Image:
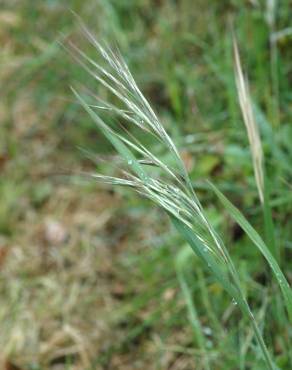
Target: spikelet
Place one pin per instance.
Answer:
(249, 121)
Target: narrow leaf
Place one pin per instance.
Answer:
(258, 241)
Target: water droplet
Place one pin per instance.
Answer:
(209, 265)
(130, 162)
(234, 302)
(205, 250)
(207, 330)
(209, 344)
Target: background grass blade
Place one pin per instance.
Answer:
(258, 241)
(182, 260)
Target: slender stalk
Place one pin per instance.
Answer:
(174, 192)
(247, 311)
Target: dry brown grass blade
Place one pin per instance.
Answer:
(249, 121)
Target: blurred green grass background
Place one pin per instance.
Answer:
(90, 277)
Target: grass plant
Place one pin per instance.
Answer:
(168, 184)
(100, 279)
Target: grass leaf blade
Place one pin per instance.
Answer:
(258, 241)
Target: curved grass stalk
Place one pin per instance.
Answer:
(172, 190)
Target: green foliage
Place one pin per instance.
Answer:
(180, 53)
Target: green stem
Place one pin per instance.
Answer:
(246, 311)
(269, 223)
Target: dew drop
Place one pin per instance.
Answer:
(209, 344)
(234, 302)
(130, 162)
(207, 330)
